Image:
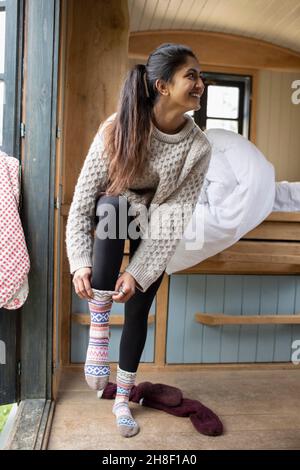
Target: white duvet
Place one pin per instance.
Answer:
(237, 195)
(287, 197)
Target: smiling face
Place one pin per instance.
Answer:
(186, 87)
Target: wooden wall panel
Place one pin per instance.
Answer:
(227, 50)
(278, 123)
(96, 63)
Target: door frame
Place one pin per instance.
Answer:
(38, 150)
(39, 161)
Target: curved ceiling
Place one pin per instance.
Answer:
(275, 21)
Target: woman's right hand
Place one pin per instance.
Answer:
(82, 284)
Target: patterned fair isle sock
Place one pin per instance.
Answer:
(127, 426)
(96, 367)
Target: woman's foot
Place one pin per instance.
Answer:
(127, 426)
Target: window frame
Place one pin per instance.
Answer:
(10, 319)
(244, 84)
(12, 76)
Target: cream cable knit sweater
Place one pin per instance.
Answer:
(174, 174)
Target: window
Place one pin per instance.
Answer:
(225, 103)
(10, 86)
(2, 55)
(11, 32)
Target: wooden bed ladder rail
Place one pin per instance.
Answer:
(214, 319)
(114, 320)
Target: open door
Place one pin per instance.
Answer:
(11, 39)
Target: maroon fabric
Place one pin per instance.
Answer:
(170, 399)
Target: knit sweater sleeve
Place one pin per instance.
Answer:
(92, 180)
(153, 254)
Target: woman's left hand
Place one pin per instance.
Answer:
(127, 283)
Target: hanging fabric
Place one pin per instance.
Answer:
(14, 258)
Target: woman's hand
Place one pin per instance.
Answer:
(127, 283)
(82, 284)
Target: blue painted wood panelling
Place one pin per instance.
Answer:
(286, 305)
(229, 342)
(250, 306)
(176, 321)
(192, 352)
(191, 342)
(268, 306)
(295, 328)
(213, 303)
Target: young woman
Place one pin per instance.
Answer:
(148, 155)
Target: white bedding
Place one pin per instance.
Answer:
(287, 197)
(237, 195)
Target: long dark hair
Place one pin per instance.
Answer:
(127, 137)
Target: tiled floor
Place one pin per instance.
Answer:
(260, 409)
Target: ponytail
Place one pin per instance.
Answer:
(128, 136)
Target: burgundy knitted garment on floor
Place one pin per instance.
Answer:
(170, 399)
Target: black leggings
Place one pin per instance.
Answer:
(107, 260)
